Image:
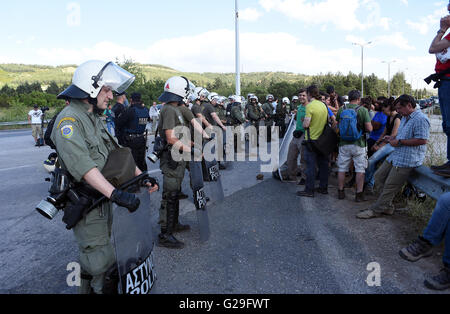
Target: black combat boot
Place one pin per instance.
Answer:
(178, 227)
(166, 238)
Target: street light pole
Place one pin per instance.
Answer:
(362, 64)
(389, 75)
(238, 68)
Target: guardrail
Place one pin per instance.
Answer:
(425, 180)
(18, 123)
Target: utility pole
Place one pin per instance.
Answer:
(389, 75)
(238, 70)
(362, 64)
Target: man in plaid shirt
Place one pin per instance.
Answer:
(410, 149)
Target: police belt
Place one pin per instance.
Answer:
(134, 136)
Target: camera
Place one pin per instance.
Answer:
(59, 190)
(44, 109)
(159, 145)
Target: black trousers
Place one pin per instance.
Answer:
(138, 149)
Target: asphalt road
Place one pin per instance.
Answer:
(264, 238)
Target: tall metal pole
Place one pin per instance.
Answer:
(238, 68)
(362, 65)
(389, 75)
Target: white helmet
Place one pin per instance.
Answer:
(269, 96)
(237, 99)
(286, 101)
(176, 89)
(254, 97)
(212, 95)
(201, 92)
(91, 76)
(250, 95)
(294, 98)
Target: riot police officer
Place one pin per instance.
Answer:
(176, 91)
(268, 113)
(83, 145)
(254, 114)
(133, 123)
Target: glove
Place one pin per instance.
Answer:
(125, 199)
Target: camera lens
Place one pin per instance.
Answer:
(47, 209)
(153, 158)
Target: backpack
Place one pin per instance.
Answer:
(48, 133)
(349, 129)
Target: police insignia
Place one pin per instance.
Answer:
(67, 131)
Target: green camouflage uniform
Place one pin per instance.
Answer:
(82, 143)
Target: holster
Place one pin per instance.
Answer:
(170, 162)
(75, 212)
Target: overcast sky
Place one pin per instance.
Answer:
(300, 36)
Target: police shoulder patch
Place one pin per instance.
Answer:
(67, 131)
(65, 119)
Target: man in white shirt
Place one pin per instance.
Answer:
(154, 116)
(35, 120)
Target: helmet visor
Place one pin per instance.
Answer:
(115, 77)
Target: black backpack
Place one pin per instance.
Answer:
(48, 132)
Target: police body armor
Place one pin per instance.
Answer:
(138, 125)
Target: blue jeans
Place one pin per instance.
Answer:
(314, 160)
(444, 102)
(378, 156)
(438, 227)
(110, 126)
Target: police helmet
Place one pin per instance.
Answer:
(270, 96)
(176, 89)
(91, 76)
(286, 101)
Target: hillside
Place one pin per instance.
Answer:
(16, 74)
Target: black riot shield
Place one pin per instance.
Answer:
(133, 243)
(284, 148)
(196, 176)
(211, 178)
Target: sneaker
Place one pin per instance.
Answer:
(341, 194)
(301, 182)
(440, 281)
(305, 194)
(416, 250)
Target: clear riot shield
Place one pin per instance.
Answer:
(133, 243)
(284, 147)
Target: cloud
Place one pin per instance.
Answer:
(424, 24)
(250, 15)
(298, 57)
(393, 40)
(343, 14)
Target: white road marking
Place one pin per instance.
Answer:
(15, 168)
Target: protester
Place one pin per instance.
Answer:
(353, 121)
(381, 149)
(35, 120)
(410, 148)
(295, 147)
(109, 119)
(438, 45)
(154, 117)
(438, 229)
(379, 121)
(315, 119)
